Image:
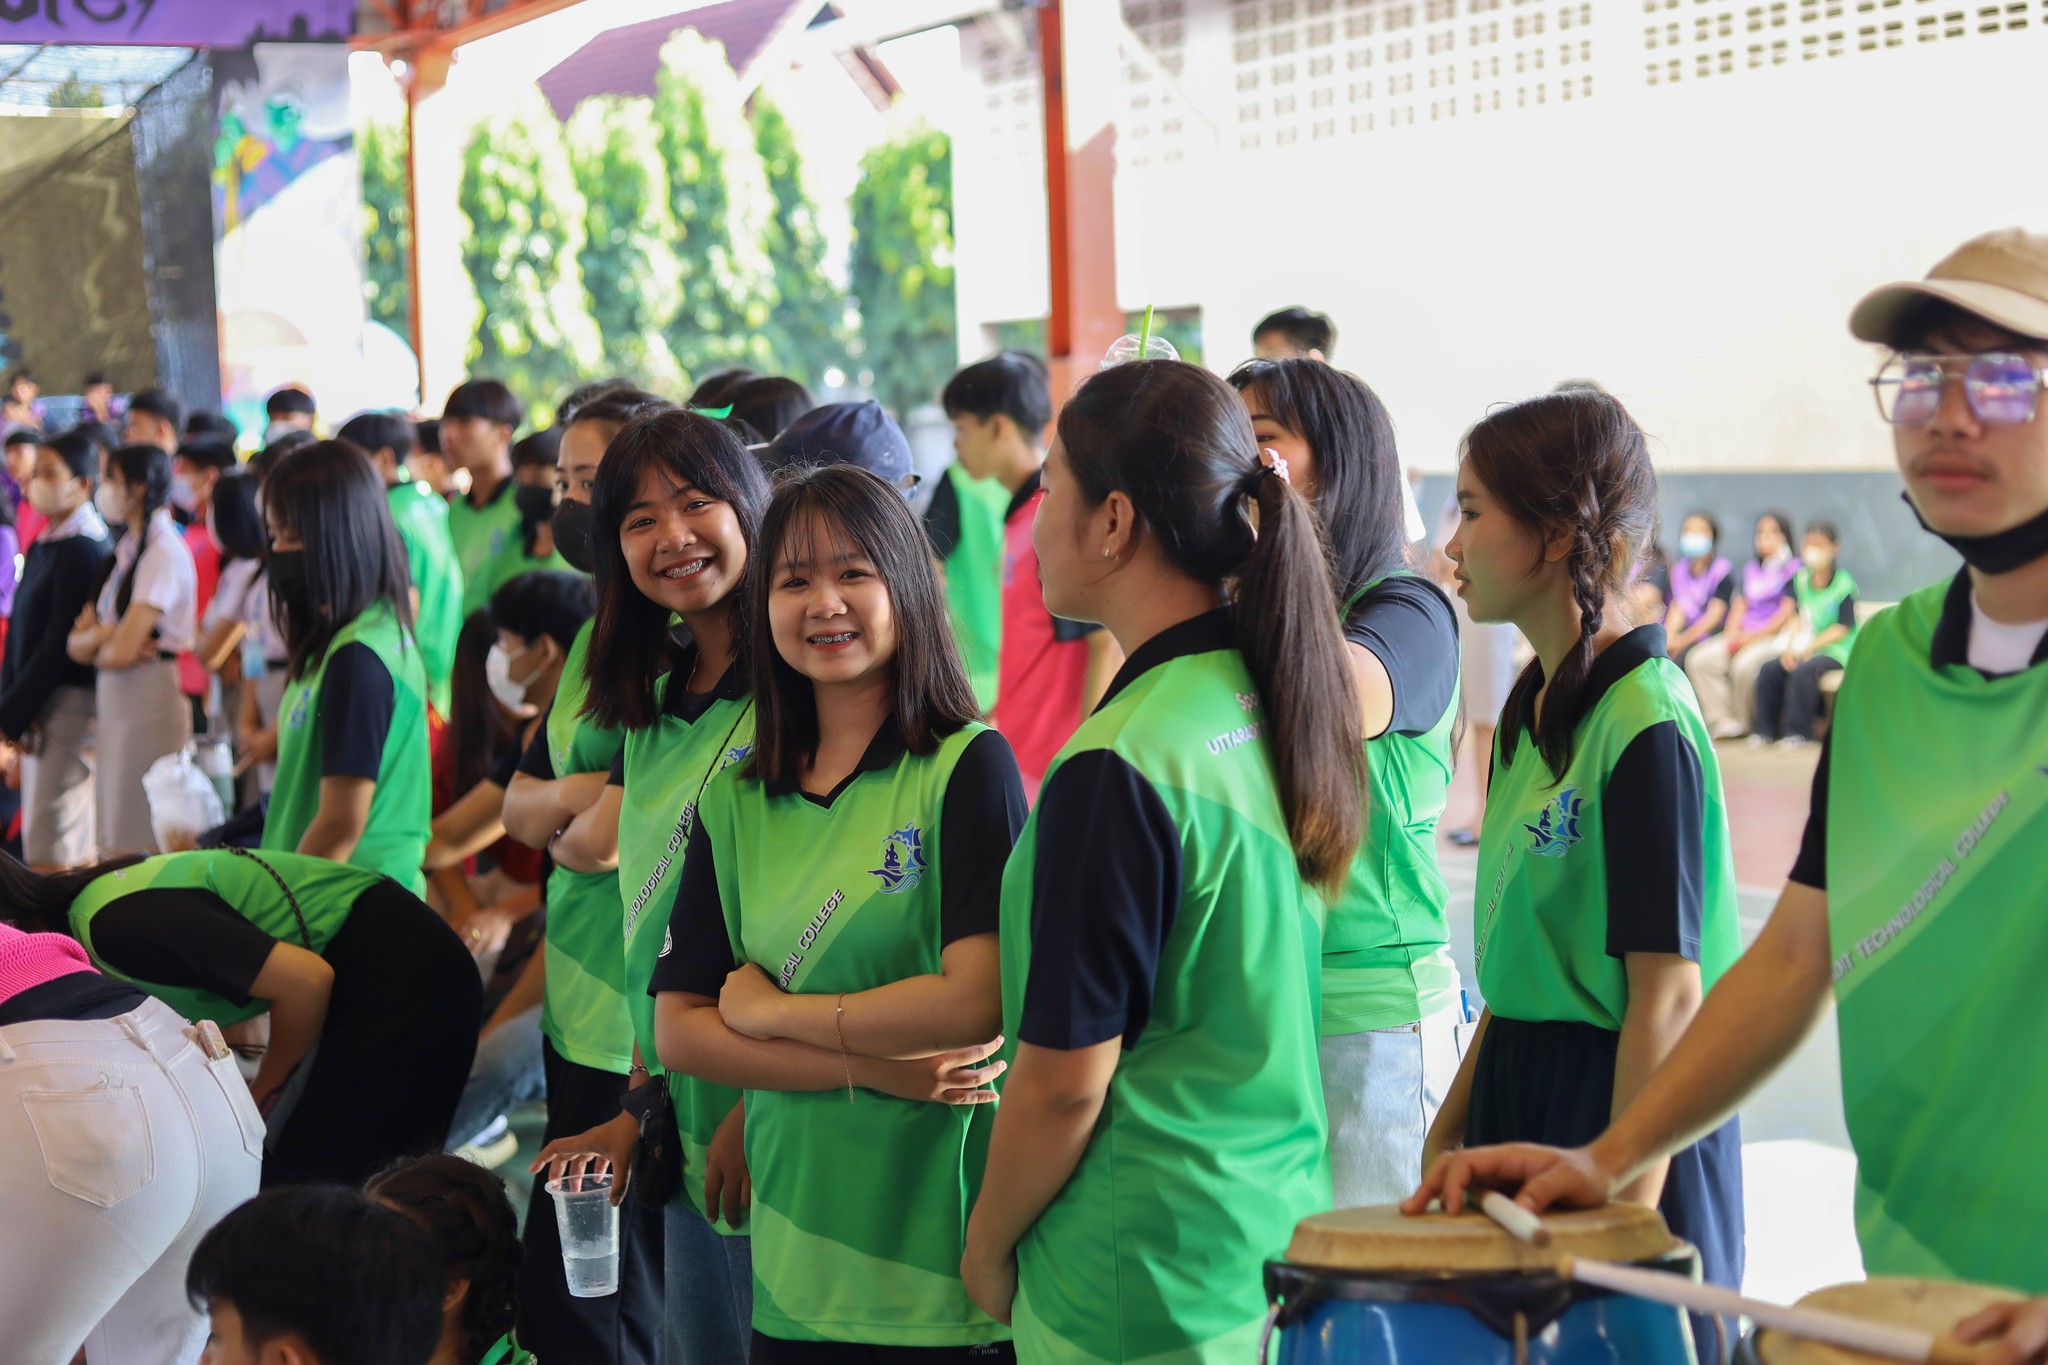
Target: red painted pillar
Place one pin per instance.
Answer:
(1079, 60)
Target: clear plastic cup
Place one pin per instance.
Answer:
(589, 1224)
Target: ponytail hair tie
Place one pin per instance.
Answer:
(1269, 463)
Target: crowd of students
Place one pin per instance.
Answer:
(665, 764)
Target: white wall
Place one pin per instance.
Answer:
(1694, 246)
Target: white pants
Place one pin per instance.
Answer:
(1383, 1089)
(1726, 687)
(120, 1145)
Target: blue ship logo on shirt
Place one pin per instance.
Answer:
(1557, 828)
(902, 861)
(737, 754)
(297, 718)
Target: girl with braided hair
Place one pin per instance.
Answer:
(463, 1207)
(1606, 905)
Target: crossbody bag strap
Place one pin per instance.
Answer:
(305, 935)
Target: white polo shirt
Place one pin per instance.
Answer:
(164, 579)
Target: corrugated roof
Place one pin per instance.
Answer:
(624, 61)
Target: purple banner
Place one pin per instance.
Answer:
(176, 23)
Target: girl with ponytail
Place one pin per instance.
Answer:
(1161, 916)
(1606, 890)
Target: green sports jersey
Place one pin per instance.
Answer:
(583, 1001)
(1386, 943)
(974, 578)
(1548, 913)
(666, 765)
(1820, 608)
(422, 518)
(1937, 810)
(326, 892)
(1212, 1142)
(482, 535)
(394, 837)
(860, 1204)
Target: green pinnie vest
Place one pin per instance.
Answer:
(422, 518)
(1819, 608)
(401, 810)
(974, 579)
(666, 765)
(583, 1003)
(326, 892)
(1937, 822)
(1212, 1143)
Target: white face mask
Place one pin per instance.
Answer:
(277, 429)
(1695, 545)
(109, 502)
(183, 495)
(1817, 560)
(498, 673)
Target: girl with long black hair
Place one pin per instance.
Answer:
(146, 615)
(836, 912)
(463, 1208)
(354, 776)
(667, 504)
(1390, 1012)
(1162, 1126)
(372, 1001)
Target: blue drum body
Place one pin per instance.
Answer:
(1343, 1317)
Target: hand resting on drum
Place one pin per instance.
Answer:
(2016, 1332)
(1539, 1177)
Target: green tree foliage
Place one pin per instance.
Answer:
(526, 220)
(387, 227)
(719, 197)
(628, 257)
(73, 93)
(807, 331)
(902, 267)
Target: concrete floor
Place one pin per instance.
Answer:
(1798, 1171)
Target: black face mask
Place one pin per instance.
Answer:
(535, 504)
(2001, 551)
(575, 535)
(287, 574)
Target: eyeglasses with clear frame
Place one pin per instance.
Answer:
(2003, 388)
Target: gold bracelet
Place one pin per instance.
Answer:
(839, 1026)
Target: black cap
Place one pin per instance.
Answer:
(862, 434)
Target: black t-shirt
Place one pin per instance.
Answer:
(942, 519)
(357, 703)
(537, 761)
(983, 809)
(181, 936)
(1409, 626)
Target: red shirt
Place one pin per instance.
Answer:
(1044, 660)
(206, 562)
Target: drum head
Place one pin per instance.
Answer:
(1381, 1240)
(1929, 1305)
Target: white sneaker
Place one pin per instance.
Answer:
(1794, 742)
(1758, 742)
(1727, 729)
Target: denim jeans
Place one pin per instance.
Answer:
(506, 1072)
(710, 1291)
(1383, 1089)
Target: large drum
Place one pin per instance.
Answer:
(1925, 1305)
(1370, 1287)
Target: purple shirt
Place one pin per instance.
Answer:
(1691, 592)
(1764, 584)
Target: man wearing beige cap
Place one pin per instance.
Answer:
(1919, 903)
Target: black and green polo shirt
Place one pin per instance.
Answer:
(860, 1208)
(1154, 897)
(1627, 852)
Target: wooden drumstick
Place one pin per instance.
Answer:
(1815, 1324)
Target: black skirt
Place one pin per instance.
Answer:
(1554, 1083)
